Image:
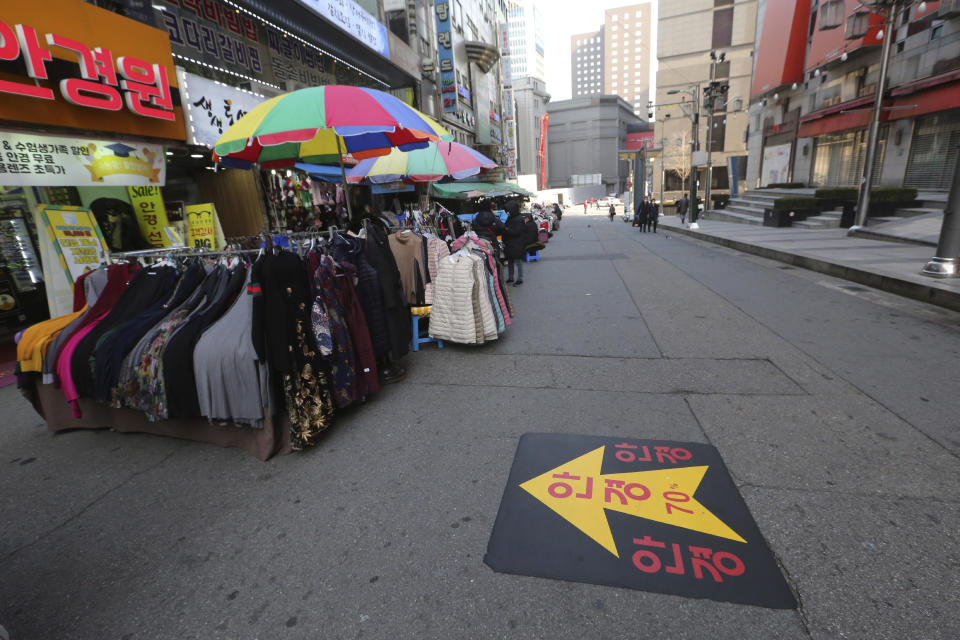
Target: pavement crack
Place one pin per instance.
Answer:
(96, 500)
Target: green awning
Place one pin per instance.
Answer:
(468, 190)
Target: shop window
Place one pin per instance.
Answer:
(838, 158)
(933, 151)
(831, 14)
(722, 28)
(397, 23)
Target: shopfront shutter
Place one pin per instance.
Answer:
(933, 151)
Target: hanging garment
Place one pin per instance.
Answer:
(484, 246)
(456, 311)
(231, 381)
(92, 284)
(488, 320)
(397, 311)
(350, 250)
(342, 359)
(116, 345)
(181, 386)
(146, 288)
(407, 248)
(436, 249)
(367, 381)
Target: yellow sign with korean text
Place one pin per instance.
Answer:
(151, 214)
(203, 227)
(76, 238)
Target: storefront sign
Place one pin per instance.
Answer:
(76, 238)
(644, 514)
(151, 214)
(448, 76)
(36, 160)
(509, 130)
(212, 107)
(776, 163)
(354, 19)
(119, 67)
(203, 227)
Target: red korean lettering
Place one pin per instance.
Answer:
(13, 41)
(147, 89)
(672, 454)
(677, 567)
(722, 562)
(211, 11)
(88, 91)
(565, 490)
(232, 21)
(736, 568)
(193, 4)
(620, 490)
(250, 29)
(623, 455)
(644, 559)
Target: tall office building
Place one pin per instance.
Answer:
(526, 39)
(616, 59)
(586, 64)
(626, 59)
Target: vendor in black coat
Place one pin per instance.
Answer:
(487, 224)
(515, 239)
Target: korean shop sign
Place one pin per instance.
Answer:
(151, 214)
(644, 514)
(448, 76)
(37, 160)
(76, 238)
(212, 107)
(76, 65)
(355, 20)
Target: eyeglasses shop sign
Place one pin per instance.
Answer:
(212, 107)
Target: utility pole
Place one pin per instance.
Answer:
(694, 147)
(863, 204)
(715, 93)
(944, 264)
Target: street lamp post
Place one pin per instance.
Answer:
(863, 204)
(714, 61)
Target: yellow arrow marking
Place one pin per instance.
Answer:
(578, 492)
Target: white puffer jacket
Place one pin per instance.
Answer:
(456, 289)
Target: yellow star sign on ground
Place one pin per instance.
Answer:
(578, 492)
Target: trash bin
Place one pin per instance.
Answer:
(777, 218)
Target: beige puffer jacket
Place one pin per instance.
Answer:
(453, 315)
(436, 250)
(486, 305)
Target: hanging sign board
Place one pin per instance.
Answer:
(76, 238)
(203, 227)
(448, 77)
(28, 159)
(643, 514)
(355, 20)
(151, 214)
(212, 107)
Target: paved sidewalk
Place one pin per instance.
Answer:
(890, 266)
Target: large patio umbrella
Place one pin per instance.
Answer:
(437, 160)
(320, 124)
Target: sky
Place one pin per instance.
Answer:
(563, 18)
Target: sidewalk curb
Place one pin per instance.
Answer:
(891, 284)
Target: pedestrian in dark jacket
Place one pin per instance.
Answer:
(612, 211)
(557, 211)
(487, 224)
(654, 215)
(682, 207)
(515, 242)
(644, 215)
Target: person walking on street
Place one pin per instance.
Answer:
(682, 205)
(644, 215)
(515, 242)
(612, 212)
(584, 207)
(654, 215)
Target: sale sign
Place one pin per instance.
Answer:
(653, 515)
(151, 214)
(76, 238)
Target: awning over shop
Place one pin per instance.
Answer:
(326, 173)
(468, 190)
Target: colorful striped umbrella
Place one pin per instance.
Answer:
(319, 124)
(437, 160)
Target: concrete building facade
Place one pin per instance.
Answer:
(626, 56)
(531, 97)
(586, 64)
(584, 138)
(814, 86)
(687, 34)
(526, 39)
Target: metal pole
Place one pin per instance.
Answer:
(663, 174)
(863, 205)
(706, 189)
(945, 263)
(343, 174)
(694, 146)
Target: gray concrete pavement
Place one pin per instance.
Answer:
(834, 409)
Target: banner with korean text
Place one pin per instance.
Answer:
(49, 161)
(151, 214)
(212, 107)
(203, 227)
(76, 238)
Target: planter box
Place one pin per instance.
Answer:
(777, 218)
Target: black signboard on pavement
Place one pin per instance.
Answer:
(644, 514)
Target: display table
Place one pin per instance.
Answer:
(263, 443)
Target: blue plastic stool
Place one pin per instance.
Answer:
(532, 258)
(421, 338)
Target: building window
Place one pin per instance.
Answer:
(722, 28)
(831, 14)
